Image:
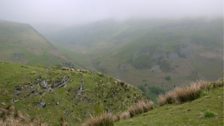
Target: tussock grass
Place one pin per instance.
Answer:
(188, 93)
(219, 83)
(63, 122)
(124, 115)
(108, 119)
(105, 119)
(140, 107)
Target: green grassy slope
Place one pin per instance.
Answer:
(34, 90)
(205, 111)
(23, 44)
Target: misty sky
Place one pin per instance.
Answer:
(80, 11)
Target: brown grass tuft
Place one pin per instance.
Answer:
(124, 115)
(106, 119)
(219, 83)
(63, 122)
(184, 94)
(140, 107)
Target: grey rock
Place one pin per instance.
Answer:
(44, 84)
(17, 92)
(42, 104)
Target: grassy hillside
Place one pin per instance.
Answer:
(155, 54)
(205, 111)
(173, 50)
(52, 94)
(23, 44)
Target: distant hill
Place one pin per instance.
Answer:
(52, 94)
(150, 53)
(168, 54)
(23, 44)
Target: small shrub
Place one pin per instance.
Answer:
(151, 92)
(106, 119)
(168, 78)
(208, 114)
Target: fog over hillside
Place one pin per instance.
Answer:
(69, 12)
(102, 62)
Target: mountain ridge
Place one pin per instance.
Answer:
(22, 43)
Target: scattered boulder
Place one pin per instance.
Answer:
(72, 69)
(14, 100)
(65, 68)
(82, 71)
(18, 88)
(17, 92)
(3, 103)
(44, 84)
(68, 69)
(42, 104)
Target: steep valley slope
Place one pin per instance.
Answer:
(21, 43)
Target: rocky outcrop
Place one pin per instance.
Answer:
(39, 86)
(61, 83)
